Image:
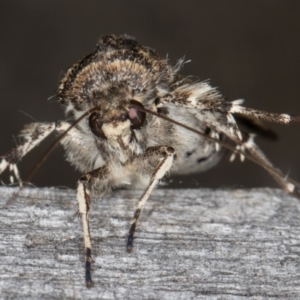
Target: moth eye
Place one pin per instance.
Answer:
(95, 124)
(136, 117)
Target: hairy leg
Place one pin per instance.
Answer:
(31, 136)
(165, 156)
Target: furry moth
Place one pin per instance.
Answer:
(137, 119)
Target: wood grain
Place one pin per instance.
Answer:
(190, 244)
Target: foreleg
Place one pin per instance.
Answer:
(165, 156)
(31, 136)
(84, 202)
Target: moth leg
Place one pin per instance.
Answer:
(245, 142)
(278, 176)
(209, 107)
(203, 97)
(166, 156)
(84, 201)
(284, 119)
(31, 136)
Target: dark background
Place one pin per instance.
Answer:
(249, 49)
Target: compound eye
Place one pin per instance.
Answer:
(95, 124)
(136, 117)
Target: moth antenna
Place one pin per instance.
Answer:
(255, 156)
(55, 143)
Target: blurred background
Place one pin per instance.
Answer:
(249, 49)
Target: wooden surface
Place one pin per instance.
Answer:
(190, 244)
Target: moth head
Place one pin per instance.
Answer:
(118, 124)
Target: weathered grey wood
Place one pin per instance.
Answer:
(191, 244)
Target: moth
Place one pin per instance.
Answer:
(133, 119)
